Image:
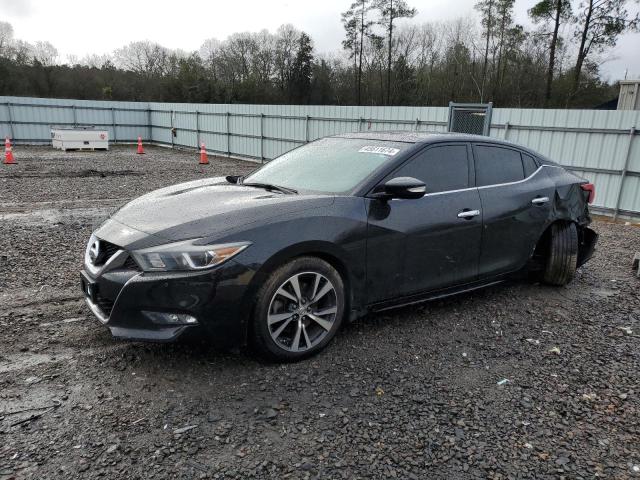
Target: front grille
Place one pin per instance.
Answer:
(108, 250)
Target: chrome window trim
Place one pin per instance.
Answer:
(512, 183)
(520, 181)
(494, 185)
(450, 191)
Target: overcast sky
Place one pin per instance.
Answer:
(80, 27)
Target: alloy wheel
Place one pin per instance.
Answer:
(302, 311)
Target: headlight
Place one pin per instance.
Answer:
(182, 256)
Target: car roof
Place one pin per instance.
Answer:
(409, 136)
(431, 137)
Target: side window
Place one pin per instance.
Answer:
(496, 165)
(529, 165)
(440, 168)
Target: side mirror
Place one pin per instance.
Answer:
(401, 187)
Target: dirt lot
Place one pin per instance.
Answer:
(416, 393)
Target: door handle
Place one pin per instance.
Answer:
(468, 214)
(540, 200)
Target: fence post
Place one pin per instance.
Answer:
(262, 138)
(306, 129)
(228, 134)
(360, 120)
(171, 124)
(150, 126)
(506, 130)
(113, 124)
(10, 120)
(75, 119)
(197, 129)
(623, 174)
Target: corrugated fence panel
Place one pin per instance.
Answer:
(594, 144)
(29, 120)
(630, 199)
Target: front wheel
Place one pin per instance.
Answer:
(562, 258)
(299, 309)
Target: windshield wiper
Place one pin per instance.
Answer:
(269, 186)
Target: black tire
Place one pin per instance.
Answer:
(305, 269)
(562, 259)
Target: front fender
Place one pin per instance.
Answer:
(336, 234)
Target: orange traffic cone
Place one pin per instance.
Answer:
(203, 155)
(8, 153)
(140, 149)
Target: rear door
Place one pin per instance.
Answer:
(516, 198)
(432, 242)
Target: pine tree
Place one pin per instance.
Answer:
(302, 69)
(555, 12)
(391, 10)
(487, 9)
(357, 27)
(600, 23)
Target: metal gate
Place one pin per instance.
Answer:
(474, 118)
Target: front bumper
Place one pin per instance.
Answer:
(215, 298)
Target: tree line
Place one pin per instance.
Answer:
(387, 59)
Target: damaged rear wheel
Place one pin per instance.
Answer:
(562, 258)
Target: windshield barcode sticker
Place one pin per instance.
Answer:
(383, 150)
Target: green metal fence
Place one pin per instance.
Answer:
(602, 146)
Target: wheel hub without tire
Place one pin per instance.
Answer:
(302, 311)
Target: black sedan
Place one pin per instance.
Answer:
(332, 230)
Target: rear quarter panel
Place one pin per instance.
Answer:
(570, 201)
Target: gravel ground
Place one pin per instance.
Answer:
(516, 381)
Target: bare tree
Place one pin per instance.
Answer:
(240, 49)
(21, 52)
(428, 53)
(209, 51)
(45, 53)
(264, 57)
(459, 59)
(414, 64)
(287, 38)
(143, 57)
(6, 38)
(95, 61)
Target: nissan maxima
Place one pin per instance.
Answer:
(342, 226)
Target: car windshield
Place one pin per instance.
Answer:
(328, 165)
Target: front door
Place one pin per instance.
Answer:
(430, 243)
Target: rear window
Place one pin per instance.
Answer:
(495, 165)
(529, 165)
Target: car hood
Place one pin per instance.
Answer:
(209, 207)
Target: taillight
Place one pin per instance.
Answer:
(591, 188)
